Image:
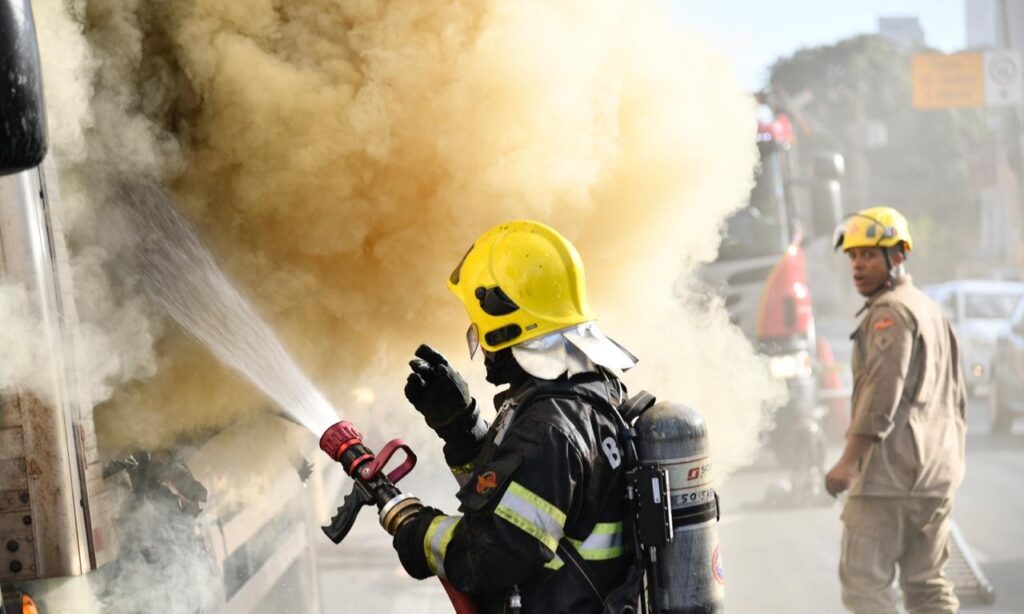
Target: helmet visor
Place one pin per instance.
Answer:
(472, 340)
(837, 236)
(859, 230)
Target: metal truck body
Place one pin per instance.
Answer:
(59, 516)
(63, 511)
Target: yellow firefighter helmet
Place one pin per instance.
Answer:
(519, 281)
(874, 227)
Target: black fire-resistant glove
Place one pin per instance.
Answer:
(408, 543)
(438, 392)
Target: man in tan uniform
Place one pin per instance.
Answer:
(904, 456)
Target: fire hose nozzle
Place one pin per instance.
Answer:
(339, 438)
(344, 444)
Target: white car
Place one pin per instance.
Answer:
(978, 310)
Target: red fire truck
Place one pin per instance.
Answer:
(764, 272)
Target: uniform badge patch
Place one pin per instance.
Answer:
(883, 324)
(486, 482)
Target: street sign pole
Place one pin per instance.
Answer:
(1014, 149)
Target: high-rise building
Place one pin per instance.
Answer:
(904, 33)
(990, 22)
(995, 167)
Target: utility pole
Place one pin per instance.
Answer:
(860, 152)
(1010, 121)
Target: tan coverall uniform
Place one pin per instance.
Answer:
(908, 395)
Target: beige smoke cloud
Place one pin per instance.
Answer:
(339, 158)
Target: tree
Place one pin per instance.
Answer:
(860, 84)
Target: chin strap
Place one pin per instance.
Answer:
(895, 272)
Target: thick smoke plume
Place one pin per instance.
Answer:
(339, 158)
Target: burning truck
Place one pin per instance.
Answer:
(297, 138)
(137, 530)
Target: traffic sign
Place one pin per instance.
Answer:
(947, 81)
(1003, 78)
(967, 80)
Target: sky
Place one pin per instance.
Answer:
(754, 33)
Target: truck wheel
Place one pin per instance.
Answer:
(999, 418)
(23, 122)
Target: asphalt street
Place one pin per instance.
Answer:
(784, 559)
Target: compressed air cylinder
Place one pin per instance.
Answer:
(687, 570)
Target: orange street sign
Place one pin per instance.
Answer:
(948, 81)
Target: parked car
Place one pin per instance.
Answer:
(1006, 391)
(978, 310)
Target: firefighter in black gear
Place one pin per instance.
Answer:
(542, 489)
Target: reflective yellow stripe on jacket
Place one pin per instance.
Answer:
(462, 473)
(606, 541)
(533, 514)
(435, 542)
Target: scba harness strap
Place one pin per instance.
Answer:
(636, 405)
(620, 598)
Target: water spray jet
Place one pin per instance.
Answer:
(180, 276)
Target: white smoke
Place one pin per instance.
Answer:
(117, 338)
(26, 362)
(163, 566)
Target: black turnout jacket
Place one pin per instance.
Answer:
(548, 475)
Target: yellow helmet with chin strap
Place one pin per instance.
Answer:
(519, 281)
(874, 227)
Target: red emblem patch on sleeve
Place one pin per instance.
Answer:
(883, 324)
(486, 482)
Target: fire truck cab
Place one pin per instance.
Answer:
(763, 274)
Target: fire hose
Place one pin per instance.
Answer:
(344, 444)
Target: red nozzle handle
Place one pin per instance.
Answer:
(399, 472)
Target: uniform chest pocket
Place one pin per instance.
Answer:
(488, 481)
(857, 354)
(922, 381)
